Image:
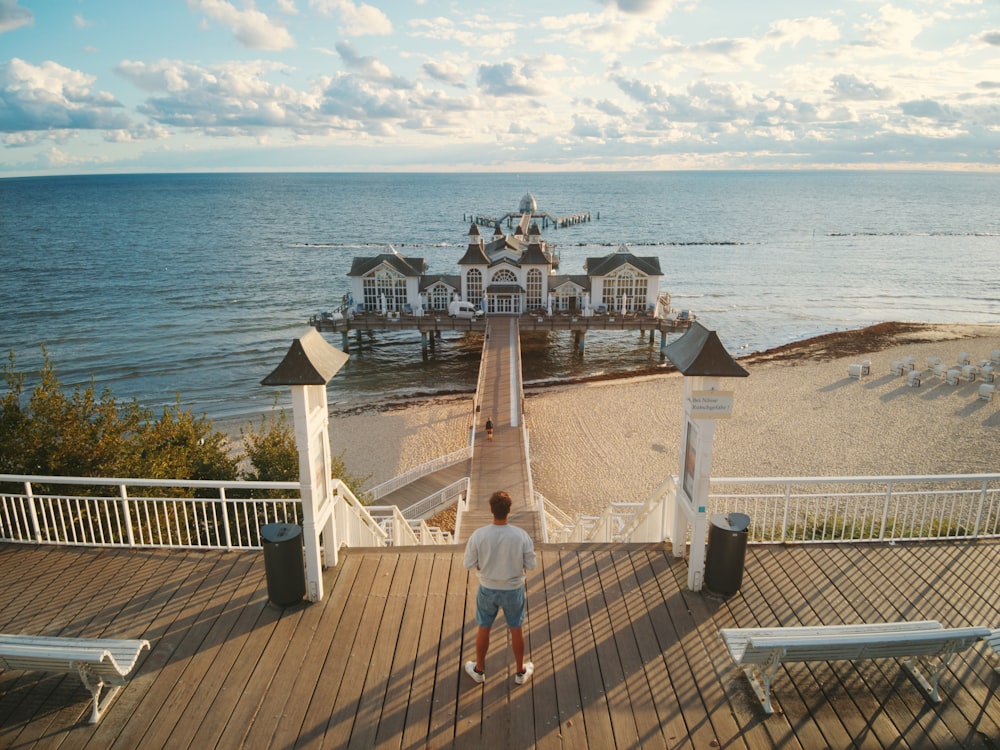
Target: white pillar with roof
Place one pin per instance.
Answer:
(308, 366)
(702, 359)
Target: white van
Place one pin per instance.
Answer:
(461, 309)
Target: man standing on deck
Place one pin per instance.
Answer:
(501, 553)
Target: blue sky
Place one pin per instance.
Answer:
(551, 85)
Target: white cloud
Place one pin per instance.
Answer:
(511, 79)
(929, 109)
(468, 34)
(50, 97)
(791, 31)
(233, 95)
(606, 34)
(641, 7)
(617, 80)
(991, 37)
(893, 30)
(845, 87)
(237, 99)
(357, 20)
(251, 28)
(12, 16)
(136, 134)
(445, 72)
(369, 67)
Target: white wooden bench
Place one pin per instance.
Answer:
(100, 662)
(761, 651)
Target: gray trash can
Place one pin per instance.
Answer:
(283, 563)
(727, 547)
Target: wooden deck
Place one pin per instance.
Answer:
(625, 656)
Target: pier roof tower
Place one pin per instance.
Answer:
(528, 205)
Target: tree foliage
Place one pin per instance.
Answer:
(52, 432)
(271, 453)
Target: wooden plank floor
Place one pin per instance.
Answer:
(625, 656)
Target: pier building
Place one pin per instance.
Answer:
(507, 274)
(514, 274)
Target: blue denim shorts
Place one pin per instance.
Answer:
(491, 601)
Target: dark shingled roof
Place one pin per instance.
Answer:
(502, 244)
(557, 281)
(649, 265)
(534, 256)
(699, 352)
(474, 256)
(454, 281)
(474, 230)
(406, 266)
(310, 360)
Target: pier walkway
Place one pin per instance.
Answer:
(501, 463)
(498, 464)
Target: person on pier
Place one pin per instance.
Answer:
(500, 553)
(489, 428)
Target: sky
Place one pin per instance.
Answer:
(113, 86)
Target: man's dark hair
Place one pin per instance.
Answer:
(500, 505)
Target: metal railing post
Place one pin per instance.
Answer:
(127, 514)
(982, 508)
(885, 510)
(784, 518)
(36, 528)
(225, 518)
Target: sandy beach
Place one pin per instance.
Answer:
(797, 414)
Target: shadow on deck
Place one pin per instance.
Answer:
(625, 655)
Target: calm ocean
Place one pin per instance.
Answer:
(158, 285)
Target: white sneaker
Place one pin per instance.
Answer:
(522, 677)
(470, 668)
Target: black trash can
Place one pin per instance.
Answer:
(727, 548)
(283, 563)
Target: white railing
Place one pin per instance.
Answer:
(558, 526)
(480, 384)
(428, 467)
(403, 532)
(431, 534)
(787, 510)
(453, 492)
(611, 523)
(199, 514)
(862, 509)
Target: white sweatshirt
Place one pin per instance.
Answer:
(500, 553)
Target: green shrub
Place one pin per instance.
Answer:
(50, 432)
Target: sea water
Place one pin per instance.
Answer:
(189, 288)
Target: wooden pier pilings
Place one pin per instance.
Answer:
(548, 219)
(430, 325)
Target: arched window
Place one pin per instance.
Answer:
(388, 283)
(474, 286)
(534, 287)
(504, 276)
(625, 285)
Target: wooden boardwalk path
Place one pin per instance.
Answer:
(625, 655)
(500, 463)
(497, 464)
